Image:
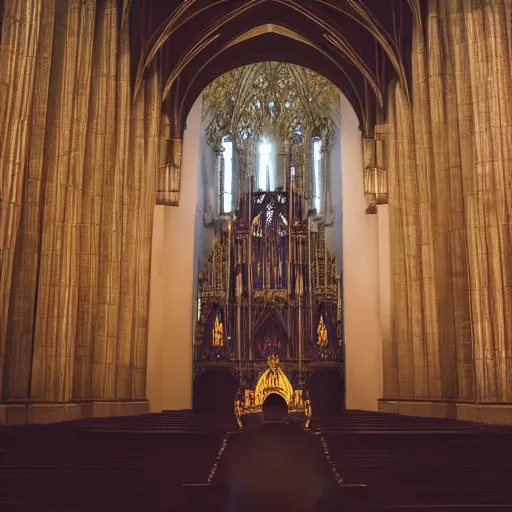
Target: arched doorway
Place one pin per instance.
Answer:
(276, 400)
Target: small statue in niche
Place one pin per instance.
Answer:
(239, 410)
(308, 413)
(218, 332)
(322, 339)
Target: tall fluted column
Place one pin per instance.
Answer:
(453, 24)
(450, 165)
(427, 371)
(412, 349)
(84, 181)
(98, 198)
(19, 52)
(489, 208)
(390, 367)
(449, 231)
(55, 329)
(18, 350)
(146, 122)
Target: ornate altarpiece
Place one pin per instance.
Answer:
(269, 296)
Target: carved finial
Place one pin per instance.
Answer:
(273, 361)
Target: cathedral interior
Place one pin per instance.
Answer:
(205, 202)
(269, 290)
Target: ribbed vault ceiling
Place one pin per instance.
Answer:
(359, 45)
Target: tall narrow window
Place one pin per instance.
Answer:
(317, 166)
(266, 177)
(227, 185)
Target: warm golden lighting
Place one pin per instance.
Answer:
(218, 332)
(322, 336)
(273, 380)
(274, 98)
(376, 186)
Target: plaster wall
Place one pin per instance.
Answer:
(173, 284)
(178, 245)
(360, 243)
(334, 235)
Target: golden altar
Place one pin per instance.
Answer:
(272, 381)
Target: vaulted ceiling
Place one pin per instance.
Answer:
(360, 45)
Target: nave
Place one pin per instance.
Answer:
(144, 463)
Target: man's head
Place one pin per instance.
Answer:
(275, 408)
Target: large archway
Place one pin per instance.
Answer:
(355, 240)
(323, 38)
(145, 63)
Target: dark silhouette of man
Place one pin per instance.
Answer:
(276, 466)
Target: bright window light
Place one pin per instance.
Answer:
(317, 160)
(227, 185)
(266, 178)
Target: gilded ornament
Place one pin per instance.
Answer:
(322, 335)
(218, 332)
(272, 99)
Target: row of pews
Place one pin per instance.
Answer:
(142, 463)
